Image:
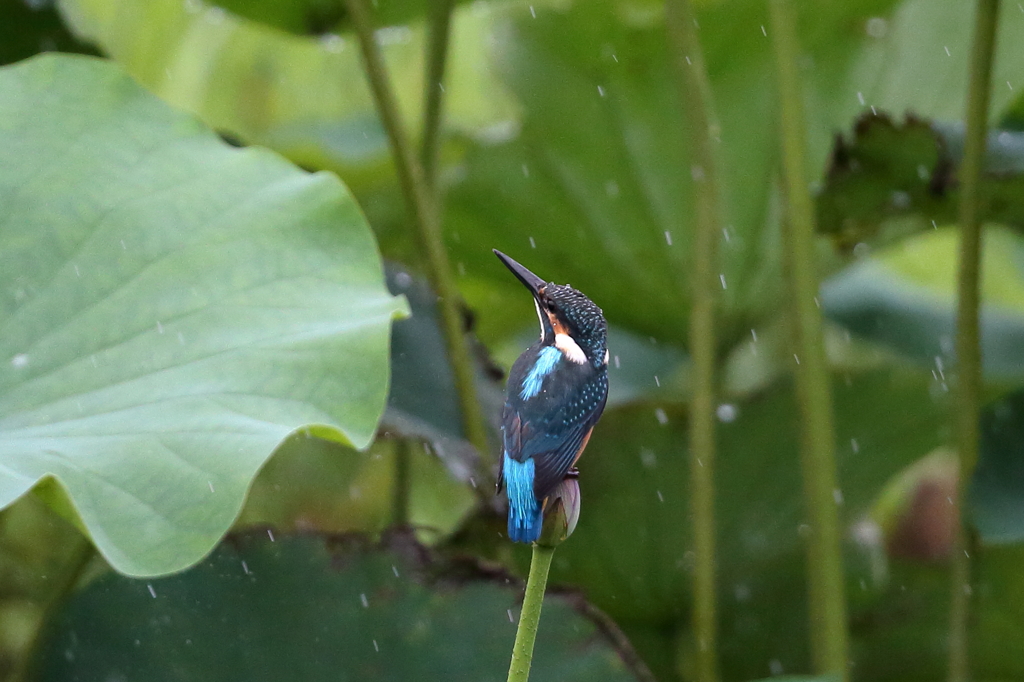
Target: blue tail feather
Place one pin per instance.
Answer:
(524, 514)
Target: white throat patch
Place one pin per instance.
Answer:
(570, 348)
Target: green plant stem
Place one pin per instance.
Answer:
(400, 482)
(423, 211)
(79, 561)
(529, 618)
(968, 351)
(433, 89)
(829, 645)
(695, 95)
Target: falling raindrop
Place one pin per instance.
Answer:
(854, 445)
(661, 498)
(668, 237)
(860, 98)
(20, 360)
(600, 91)
(837, 495)
(764, 32)
(721, 278)
(661, 416)
(616, 362)
(332, 42)
(393, 35)
(394, 569)
(210, 483)
(533, 244)
(533, 13)
(152, 592)
(270, 534)
(876, 27)
(726, 413)
(741, 591)
(245, 568)
(366, 602)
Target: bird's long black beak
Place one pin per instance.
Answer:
(532, 281)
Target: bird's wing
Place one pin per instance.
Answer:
(552, 445)
(552, 465)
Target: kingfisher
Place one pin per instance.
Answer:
(556, 392)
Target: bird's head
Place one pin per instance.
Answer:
(568, 319)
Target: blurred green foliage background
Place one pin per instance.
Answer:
(369, 545)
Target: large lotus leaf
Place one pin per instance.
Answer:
(303, 608)
(916, 61)
(905, 297)
(630, 552)
(303, 96)
(170, 309)
(600, 171)
(598, 180)
(909, 171)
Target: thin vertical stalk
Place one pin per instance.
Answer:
(829, 638)
(968, 351)
(529, 618)
(400, 481)
(695, 95)
(438, 30)
(423, 211)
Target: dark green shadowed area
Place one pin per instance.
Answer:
(310, 608)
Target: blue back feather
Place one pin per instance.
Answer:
(524, 514)
(546, 361)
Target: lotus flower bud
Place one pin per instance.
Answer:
(561, 512)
